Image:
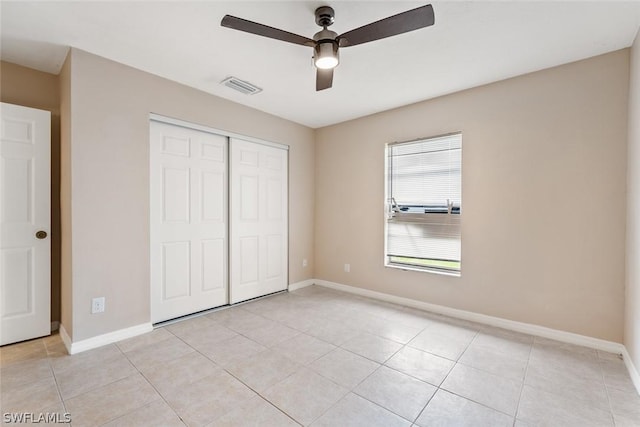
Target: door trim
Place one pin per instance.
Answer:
(190, 125)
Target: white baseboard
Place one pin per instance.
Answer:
(633, 371)
(527, 328)
(299, 285)
(104, 339)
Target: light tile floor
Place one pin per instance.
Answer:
(323, 358)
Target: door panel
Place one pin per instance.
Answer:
(212, 205)
(258, 210)
(25, 197)
(274, 198)
(176, 270)
(213, 267)
(17, 265)
(248, 197)
(274, 256)
(176, 189)
(18, 173)
(189, 226)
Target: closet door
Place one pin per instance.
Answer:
(188, 213)
(259, 220)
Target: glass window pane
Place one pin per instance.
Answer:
(425, 180)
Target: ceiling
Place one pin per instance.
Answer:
(471, 43)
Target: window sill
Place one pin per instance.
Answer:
(424, 270)
(425, 218)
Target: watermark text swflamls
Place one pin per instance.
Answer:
(32, 417)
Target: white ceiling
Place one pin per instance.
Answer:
(471, 43)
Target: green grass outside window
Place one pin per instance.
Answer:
(429, 263)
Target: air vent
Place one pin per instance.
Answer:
(241, 86)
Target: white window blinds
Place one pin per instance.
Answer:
(424, 193)
(427, 172)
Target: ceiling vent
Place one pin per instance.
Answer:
(241, 86)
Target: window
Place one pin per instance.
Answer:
(424, 201)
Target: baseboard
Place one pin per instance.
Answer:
(512, 325)
(104, 339)
(633, 371)
(66, 339)
(55, 325)
(299, 285)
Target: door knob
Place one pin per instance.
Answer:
(41, 234)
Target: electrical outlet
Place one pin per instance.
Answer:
(304, 262)
(347, 268)
(97, 305)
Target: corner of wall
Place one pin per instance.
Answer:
(66, 307)
(33, 88)
(632, 279)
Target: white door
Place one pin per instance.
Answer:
(188, 213)
(258, 211)
(25, 220)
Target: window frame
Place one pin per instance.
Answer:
(453, 214)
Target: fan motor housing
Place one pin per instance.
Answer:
(325, 34)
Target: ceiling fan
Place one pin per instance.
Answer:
(325, 43)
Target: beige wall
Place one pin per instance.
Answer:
(35, 89)
(543, 223)
(110, 106)
(553, 139)
(632, 310)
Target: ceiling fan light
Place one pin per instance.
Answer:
(326, 54)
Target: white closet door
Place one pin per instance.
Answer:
(25, 217)
(259, 220)
(188, 221)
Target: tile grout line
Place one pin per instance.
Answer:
(101, 385)
(223, 368)
(524, 379)
(151, 384)
(259, 394)
(303, 366)
(317, 373)
(387, 409)
(368, 358)
(438, 387)
(425, 406)
(606, 389)
(464, 397)
(55, 379)
(456, 362)
(476, 402)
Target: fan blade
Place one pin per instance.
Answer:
(324, 79)
(264, 30)
(397, 24)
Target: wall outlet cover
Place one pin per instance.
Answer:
(97, 305)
